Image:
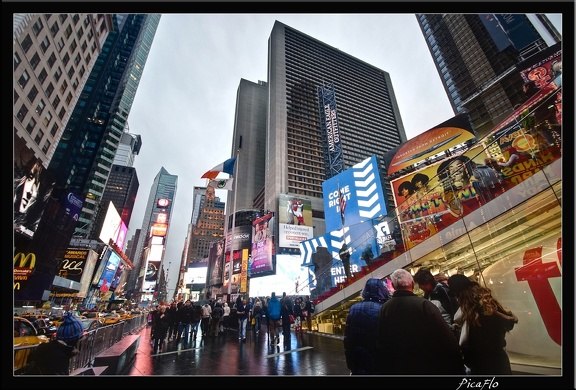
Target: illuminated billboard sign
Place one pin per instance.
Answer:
(32, 189)
(446, 135)
(361, 189)
(112, 224)
(262, 261)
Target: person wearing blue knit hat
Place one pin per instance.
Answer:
(53, 358)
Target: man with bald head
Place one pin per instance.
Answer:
(413, 338)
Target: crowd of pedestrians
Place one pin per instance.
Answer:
(456, 328)
(180, 321)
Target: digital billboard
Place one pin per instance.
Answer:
(262, 259)
(361, 189)
(32, 188)
(446, 135)
(111, 226)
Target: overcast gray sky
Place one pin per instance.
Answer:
(184, 106)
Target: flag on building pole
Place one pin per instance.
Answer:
(341, 203)
(222, 184)
(226, 167)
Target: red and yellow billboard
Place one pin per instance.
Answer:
(451, 133)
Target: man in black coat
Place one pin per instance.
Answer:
(413, 338)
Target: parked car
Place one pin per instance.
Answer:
(46, 327)
(25, 334)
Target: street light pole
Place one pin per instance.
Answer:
(231, 258)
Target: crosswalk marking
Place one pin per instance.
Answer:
(289, 351)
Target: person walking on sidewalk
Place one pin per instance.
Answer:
(242, 313)
(173, 319)
(257, 315)
(225, 317)
(196, 320)
(307, 312)
(274, 316)
(161, 325)
(286, 311)
(205, 323)
(215, 318)
(298, 317)
(184, 315)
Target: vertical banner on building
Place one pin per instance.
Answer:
(331, 129)
(262, 255)
(216, 263)
(244, 271)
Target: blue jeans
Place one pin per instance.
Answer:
(242, 327)
(194, 328)
(186, 328)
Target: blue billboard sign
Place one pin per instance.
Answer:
(361, 189)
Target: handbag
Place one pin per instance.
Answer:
(253, 322)
(291, 317)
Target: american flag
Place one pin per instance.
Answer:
(342, 203)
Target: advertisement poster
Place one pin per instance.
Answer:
(294, 221)
(353, 196)
(32, 189)
(262, 247)
(216, 263)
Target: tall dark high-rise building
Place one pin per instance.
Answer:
(476, 56)
(150, 248)
(121, 189)
(84, 156)
(295, 159)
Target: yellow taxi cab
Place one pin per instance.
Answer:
(111, 318)
(25, 335)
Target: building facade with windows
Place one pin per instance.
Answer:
(476, 57)
(368, 117)
(53, 56)
(85, 154)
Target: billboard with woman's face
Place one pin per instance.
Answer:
(32, 188)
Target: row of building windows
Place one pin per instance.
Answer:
(35, 61)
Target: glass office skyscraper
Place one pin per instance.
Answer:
(85, 154)
(476, 56)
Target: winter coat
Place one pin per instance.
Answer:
(414, 339)
(361, 332)
(160, 325)
(483, 350)
(52, 358)
(274, 308)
